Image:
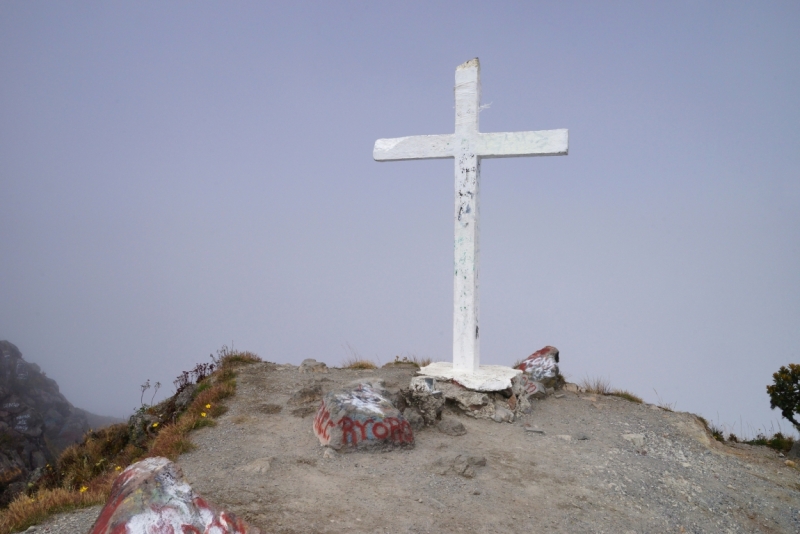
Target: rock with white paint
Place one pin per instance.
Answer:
(540, 369)
(152, 496)
(361, 416)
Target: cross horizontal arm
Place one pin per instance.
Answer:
(415, 147)
(512, 144)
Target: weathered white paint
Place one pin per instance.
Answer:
(468, 146)
(485, 378)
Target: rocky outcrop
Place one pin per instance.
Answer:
(36, 422)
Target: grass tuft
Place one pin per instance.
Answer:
(358, 363)
(627, 395)
(597, 385)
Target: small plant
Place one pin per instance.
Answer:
(785, 392)
(668, 406)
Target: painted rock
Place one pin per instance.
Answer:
(360, 416)
(540, 370)
(151, 496)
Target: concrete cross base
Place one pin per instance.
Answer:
(487, 378)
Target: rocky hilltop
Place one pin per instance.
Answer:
(36, 422)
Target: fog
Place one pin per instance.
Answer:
(180, 176)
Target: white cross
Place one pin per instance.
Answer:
(468, 146)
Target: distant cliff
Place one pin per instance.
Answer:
(36, 422)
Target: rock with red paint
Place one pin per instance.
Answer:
(360, 416)
(540, 369)
(152, 497)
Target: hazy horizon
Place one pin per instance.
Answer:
(177, 177)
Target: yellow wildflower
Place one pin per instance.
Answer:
(83, 489)
(208, 406)
(118, 468)
(155, 425)
(202, 414)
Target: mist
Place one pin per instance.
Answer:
(180, 177)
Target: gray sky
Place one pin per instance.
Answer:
(179, 176)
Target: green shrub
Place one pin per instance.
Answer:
(785, 392)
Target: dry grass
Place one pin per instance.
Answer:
(597, 385)
(85, 472)
(627, 395)
(358, 363)
(601, 386)
(25, 511)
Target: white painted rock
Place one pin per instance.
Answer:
(541, 367)
(360, 416)
(151, 496)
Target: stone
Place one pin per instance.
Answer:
(306, 395)
(423, 395)
(565, 437)
(184, 398)
(311, 365)
(152, 496)
(360, 416)
(414, 418)
(460, 464)
(572, 388)
(503, 415)
(541, 367)
(534, 430)
(636, 439)
(794, 452)
(451, 427)
(467, 146)
(473, 403)
(257, 467)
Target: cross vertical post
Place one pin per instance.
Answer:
(466, 301)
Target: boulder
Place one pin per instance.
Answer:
(152, 496)
(540, 369)
(360, 416)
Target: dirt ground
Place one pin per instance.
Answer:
(597, 464)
